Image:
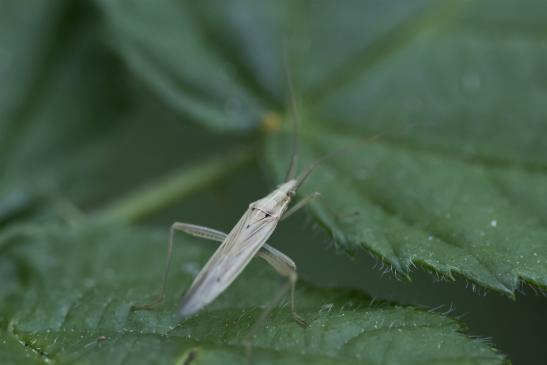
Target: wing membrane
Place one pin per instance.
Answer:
(232, 256)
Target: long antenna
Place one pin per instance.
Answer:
(294, 116)
(304, 174)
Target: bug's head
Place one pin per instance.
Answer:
(282, 196)
(288, 188)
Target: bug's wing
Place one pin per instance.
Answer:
(232, 256)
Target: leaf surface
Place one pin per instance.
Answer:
(75, 310)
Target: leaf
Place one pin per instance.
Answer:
(165, 46)
(70, 110)
(420, 207)
(23, 51)
(76, 310)
(21, 54)
(53, 131)
(463, 194)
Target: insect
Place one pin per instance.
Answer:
(246, 240)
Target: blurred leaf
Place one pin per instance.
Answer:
(24, 39)
(53, 129)
(25, 36)
(75, 310)
(70, 124)
(165, 46)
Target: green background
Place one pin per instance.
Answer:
(99, 99)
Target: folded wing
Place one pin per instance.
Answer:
(232, 256)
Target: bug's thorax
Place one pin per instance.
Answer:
(277, 202)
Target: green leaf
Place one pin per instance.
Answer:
(69, 111)
(418, 207)
(463, 194)
(169, 49)
(75, 310)
(13, 352)
(53, 131)
(466, 194)
(23, 52)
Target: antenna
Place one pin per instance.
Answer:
(304, 174)
(294, 115)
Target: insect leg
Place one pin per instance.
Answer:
(281, 262)
(200, 231)
(286, 267)
(302, 203)
(191, 229)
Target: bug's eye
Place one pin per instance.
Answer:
(290, 193)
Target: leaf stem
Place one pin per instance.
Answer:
(173, 187)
